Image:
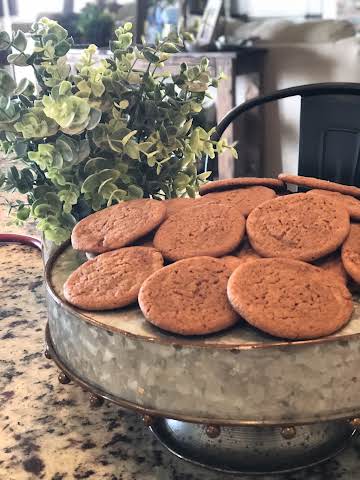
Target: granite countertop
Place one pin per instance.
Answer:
(48, 430)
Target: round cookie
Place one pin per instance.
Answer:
(112, 279)
(300, 226)
(174, 205)
(189, 297)
(117, 226)
(215, 230)
(333, 264)
(317, 183)
(350, 252)
(289, 299)
(230, 183)
(244, 199)
(350, 203)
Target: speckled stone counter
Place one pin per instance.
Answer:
(48, 431)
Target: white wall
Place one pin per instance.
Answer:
(281, 8)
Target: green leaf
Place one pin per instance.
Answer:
(123, 104)
(22, 86)
(91, 184)
(43, 210)
(7, 83)
(132, 149)
(95, 117)
(18, 59)
(127, 137)
(204, 176)
(168, 47)
(107, 188)
(191, 192)
(151, 161)
(84, 150)
(150, 57)
(135, 192)
(4, 41)
(181, 180)
(93, 165)
(64, 88)
(62, 48)
(21, 148)
(25, 100)
(23, 213)
(234, 152)
(117, 195)
(65, 150)
(188, 37)
(204, 63)
(10, 136)
(19, 41)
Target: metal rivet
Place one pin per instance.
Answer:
(95, 400)
(148, 420)
(288, 433)
(212, 431)
(47, 353)
(355, 423)
(63, 378)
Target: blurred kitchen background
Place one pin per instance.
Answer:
(260, 45)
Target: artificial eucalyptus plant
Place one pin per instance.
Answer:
(103, 132)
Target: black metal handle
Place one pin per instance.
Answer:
(335, 88)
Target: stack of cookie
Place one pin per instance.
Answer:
(244, 249)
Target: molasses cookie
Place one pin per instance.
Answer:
(350, 252)
(117, 226)
(244, 199)
(189, 297)
(112, 279)
(311, 182)
(350, 203)
(174, 205)
(211, 230)
(230, 183)
(289, 299)
(300, 226)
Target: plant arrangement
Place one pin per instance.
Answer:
(106, 131)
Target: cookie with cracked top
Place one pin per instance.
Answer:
(350, 252)
(244, 199)
(189, 297)
(289, 299)
(174, 205)
(350, 203)
(212, 230)
(300, 226)
(117, 226)
(311, 182)
(113, 279)
(234, 183)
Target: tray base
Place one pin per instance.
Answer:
(253, 450)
